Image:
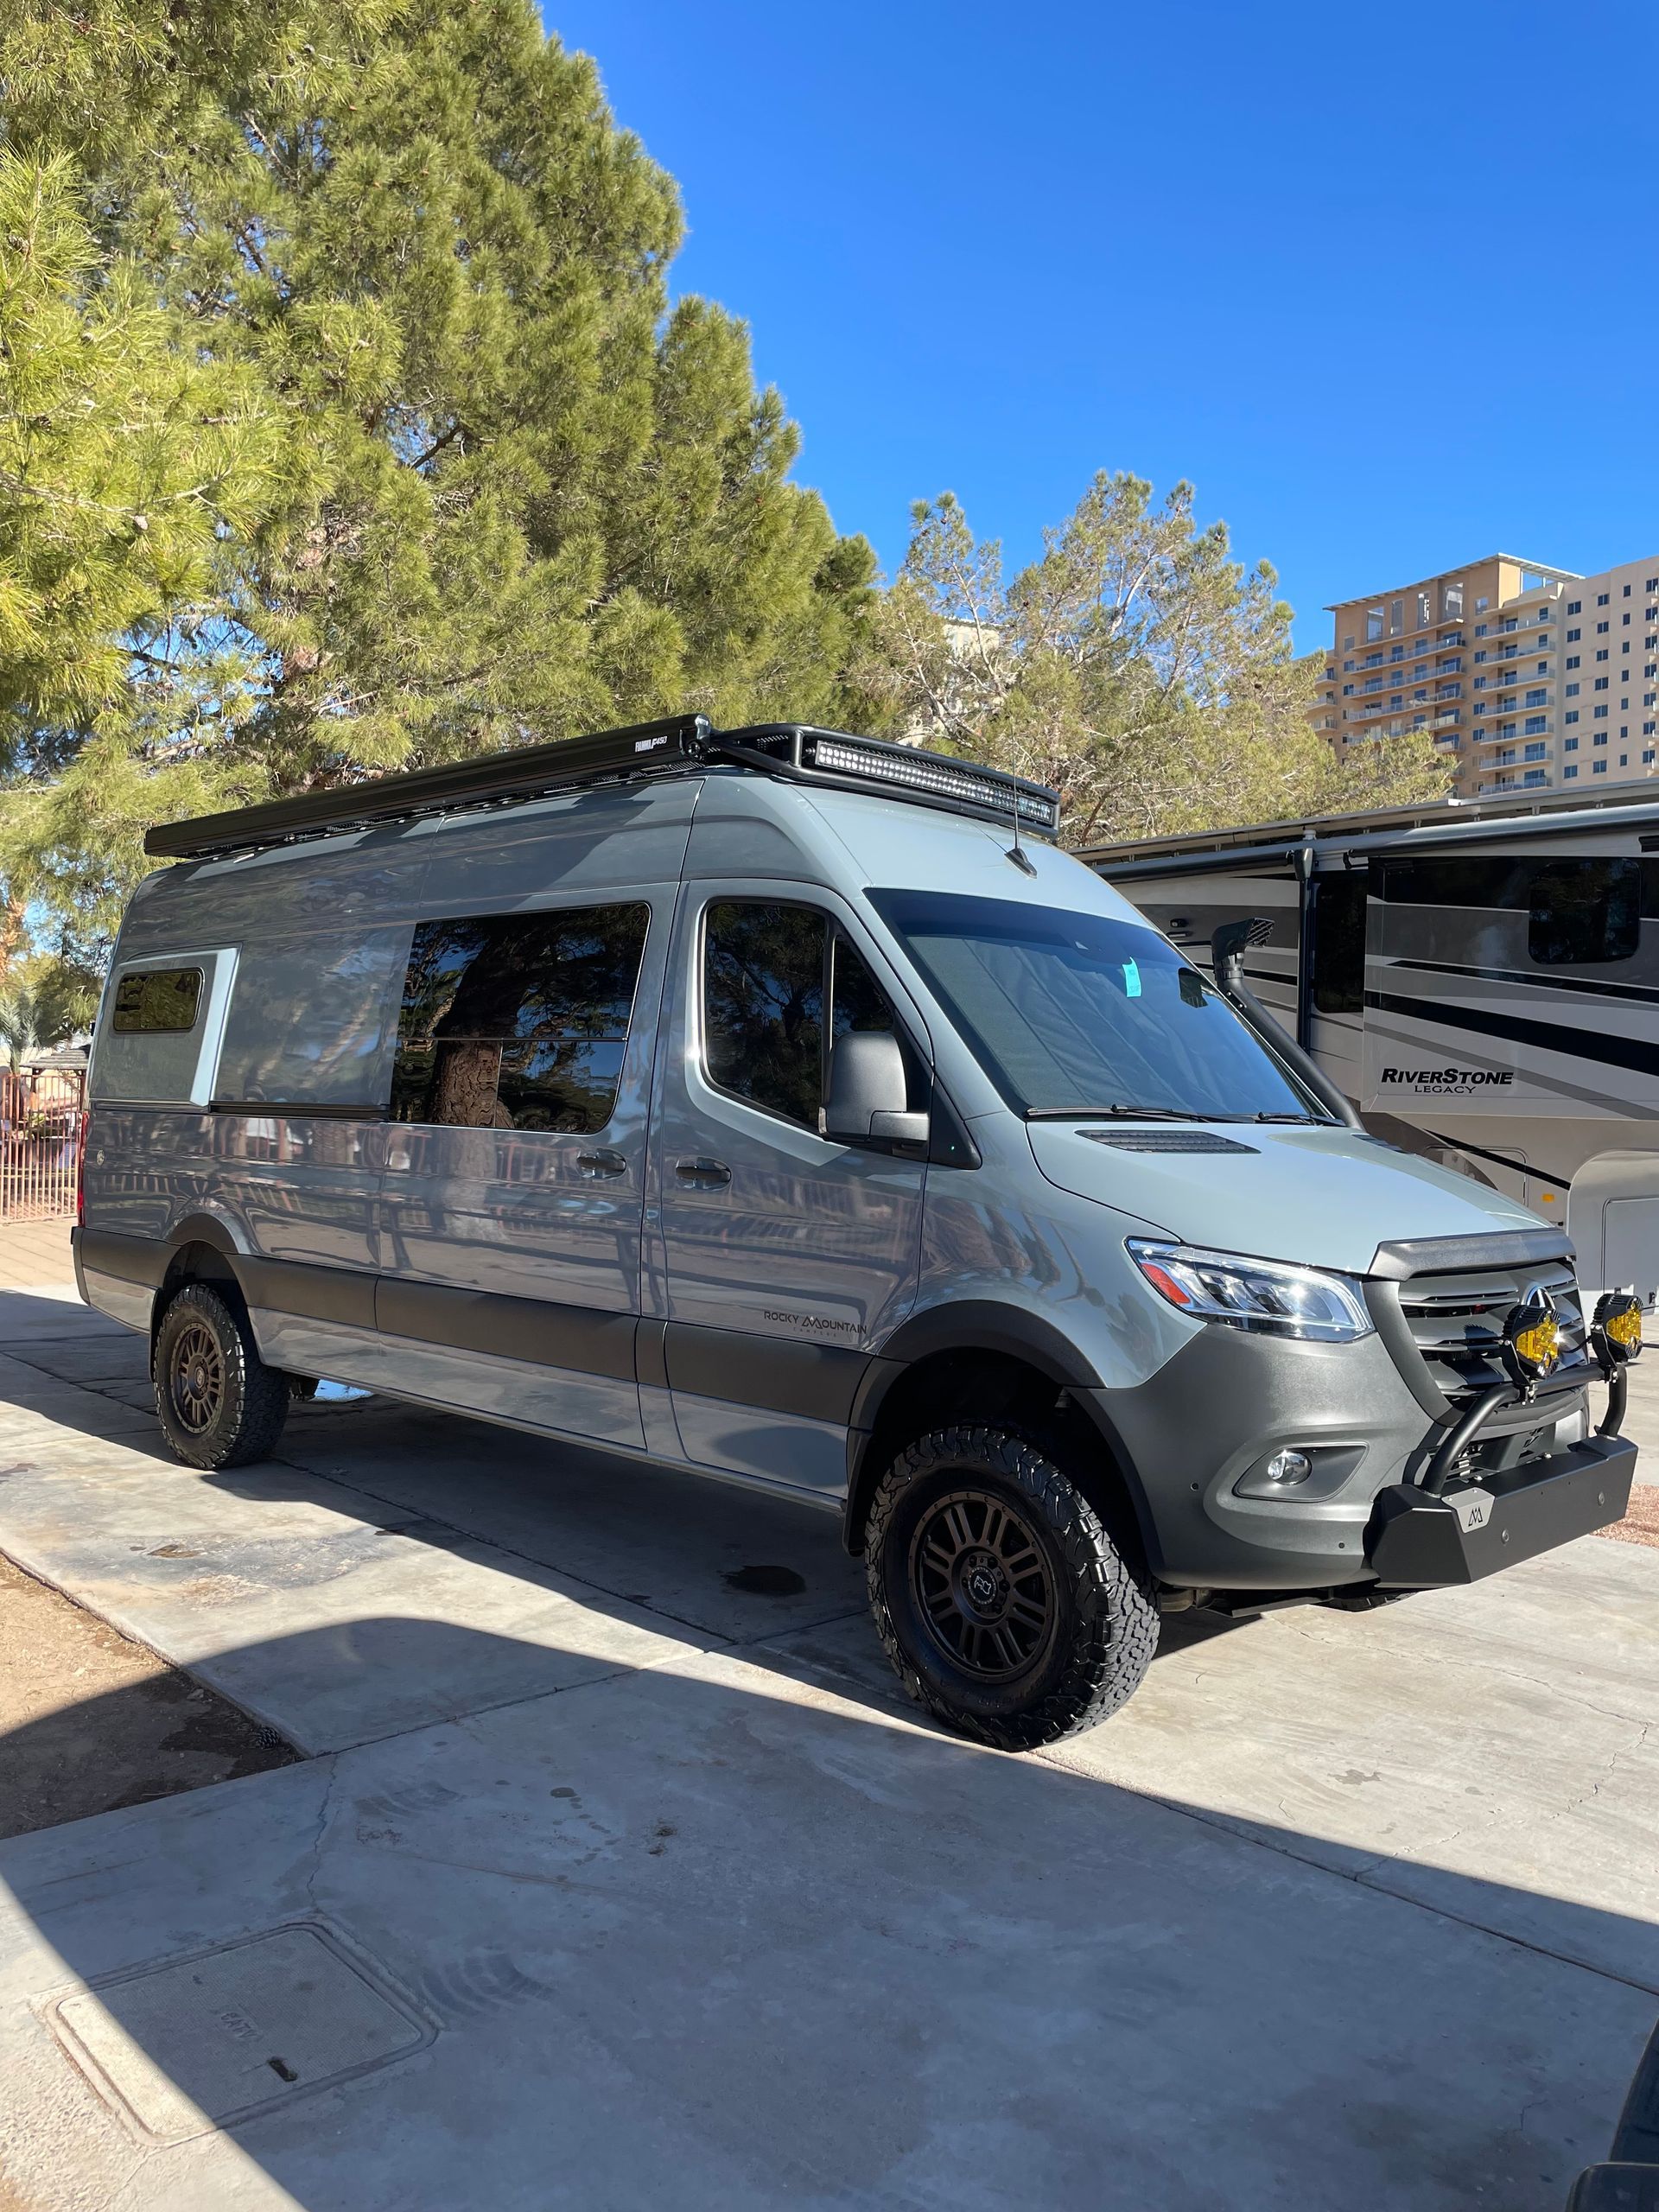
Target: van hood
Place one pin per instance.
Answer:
(1324, 1197)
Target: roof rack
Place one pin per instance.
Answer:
(794, 751)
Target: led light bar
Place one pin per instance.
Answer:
(912, 770)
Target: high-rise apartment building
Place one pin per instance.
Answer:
(1527, 678)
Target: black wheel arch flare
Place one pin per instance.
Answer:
(1006, 1333)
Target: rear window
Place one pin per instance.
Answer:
(158, 1029)
(157, 1000)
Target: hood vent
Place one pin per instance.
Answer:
(1165, 1141)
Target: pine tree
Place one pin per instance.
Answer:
(1136, 666)
(124, 466)
(515, 496)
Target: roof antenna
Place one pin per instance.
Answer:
(1016, 851)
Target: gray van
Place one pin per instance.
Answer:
(786, 1106)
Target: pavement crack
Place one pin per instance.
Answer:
(320, 1833)
(1624, 1751)
(777, 1636)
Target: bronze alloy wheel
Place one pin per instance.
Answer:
(982, 1584)
(196, 1378)
(218, 1404)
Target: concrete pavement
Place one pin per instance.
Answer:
(623, 1875)
(35, 1252)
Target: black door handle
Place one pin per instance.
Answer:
(703, 1174)
(601, 1163)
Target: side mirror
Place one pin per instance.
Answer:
(869, 1094)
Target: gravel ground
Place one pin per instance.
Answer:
(89, 1721)
(1641, 1524)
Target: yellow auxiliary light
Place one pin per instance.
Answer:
(1534, 1335)
(1618, 1325)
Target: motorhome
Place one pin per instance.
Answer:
(1481, 979)
(788, 1107)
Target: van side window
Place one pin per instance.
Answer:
(763, 976)
(167, 999)
(768, 970)
(518, 1022)
(1585, 911)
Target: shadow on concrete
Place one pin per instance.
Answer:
(718, 1558)
(707, 1933)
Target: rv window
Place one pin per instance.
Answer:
(1583, 910)
(518, 1022)
(1339, 944)
(158, 999)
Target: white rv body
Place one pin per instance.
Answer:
(1482, 981)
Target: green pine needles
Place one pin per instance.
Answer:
(346, 424)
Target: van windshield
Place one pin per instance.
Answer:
(1079, 1014)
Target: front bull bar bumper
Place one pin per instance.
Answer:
(1416, 1540)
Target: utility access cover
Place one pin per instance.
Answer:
(220, 2036)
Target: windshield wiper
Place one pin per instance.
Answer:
(1130, 1113)
(1314, 1121)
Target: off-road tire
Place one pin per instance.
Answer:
(218, 1404)
(1102, 1621)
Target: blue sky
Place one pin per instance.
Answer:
(1380, 286)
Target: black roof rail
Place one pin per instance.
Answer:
(523, 772)
(794, 751)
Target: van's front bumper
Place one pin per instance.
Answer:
(1195, 1437)
(1416, 1541)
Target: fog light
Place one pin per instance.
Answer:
(1615, 1330)
(1288, 1467)
(1532, 1337)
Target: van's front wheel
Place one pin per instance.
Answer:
(1001, 1601)
(219, 1405)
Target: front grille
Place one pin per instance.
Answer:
(1457, 1320)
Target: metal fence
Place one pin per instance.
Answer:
(41, 1123)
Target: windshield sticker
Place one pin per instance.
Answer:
(1131, 980)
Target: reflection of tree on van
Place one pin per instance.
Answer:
(518, 1022)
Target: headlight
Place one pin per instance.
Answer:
(1253, 1293)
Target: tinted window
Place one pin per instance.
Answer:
(763, 986)
(1339, 944)
(158, 999)
(1585, 911)
(1455, 882)
(766, 1037)
(1076, 1010)
(518, 1022)
(857, 1001)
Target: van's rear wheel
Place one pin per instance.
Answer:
(219, 1405)
(1001, 1601)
